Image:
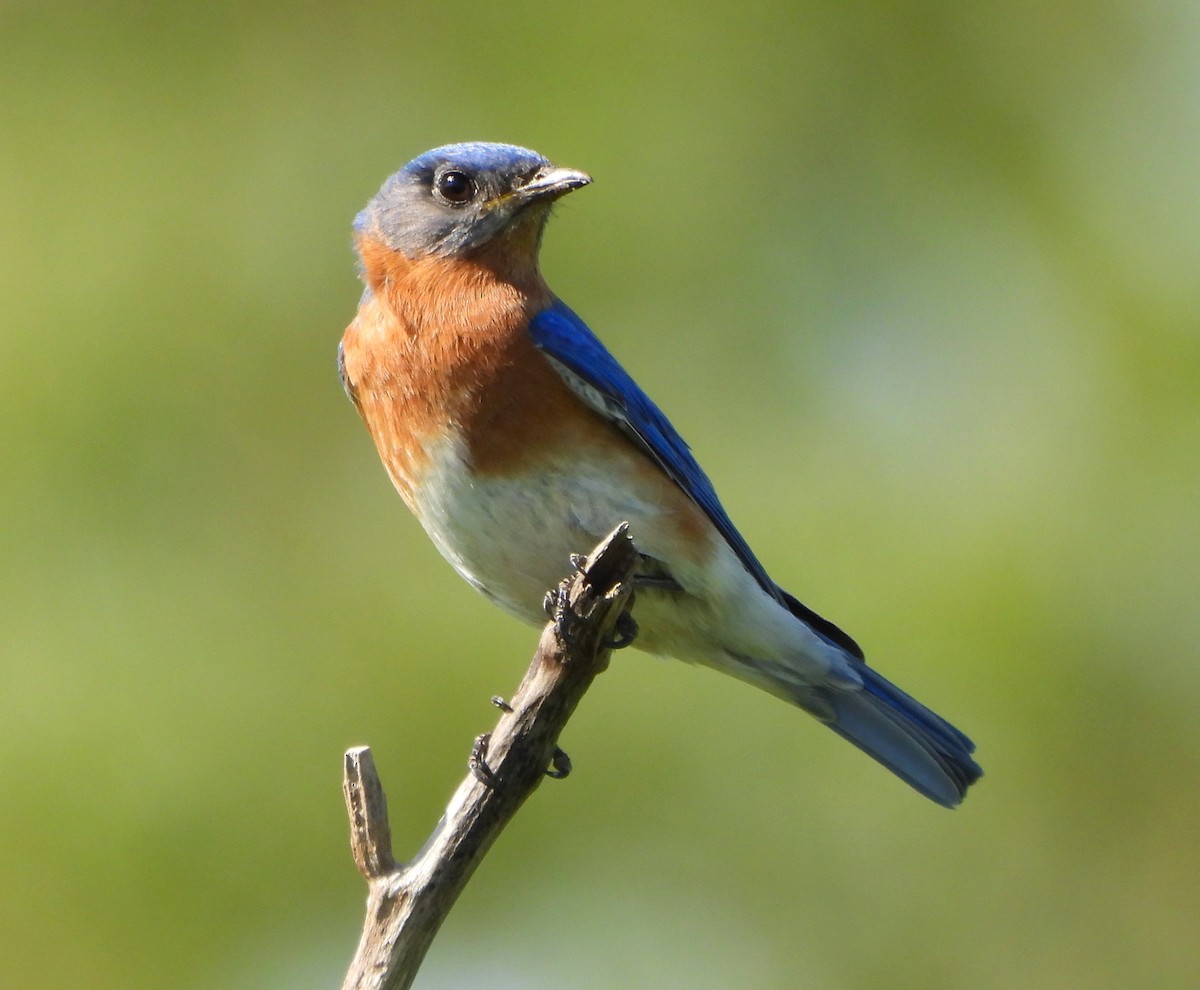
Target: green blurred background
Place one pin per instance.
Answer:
(918, 281)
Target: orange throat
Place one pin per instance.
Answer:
(440, 349)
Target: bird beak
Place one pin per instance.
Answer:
(550, 183)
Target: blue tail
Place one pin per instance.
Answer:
(918, 746)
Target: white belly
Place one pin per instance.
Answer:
(513, 540)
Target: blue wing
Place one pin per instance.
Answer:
(594, 374)
(596, 377)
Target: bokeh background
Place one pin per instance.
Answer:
(918, 281)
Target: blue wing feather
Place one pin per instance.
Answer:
(594, 374)
(904, 735)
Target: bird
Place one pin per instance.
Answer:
(517, 440)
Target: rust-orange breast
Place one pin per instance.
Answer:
(440, 346)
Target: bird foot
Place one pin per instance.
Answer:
(477, 762)
(560, 765)
(624, 632)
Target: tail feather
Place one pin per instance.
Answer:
(918, 746)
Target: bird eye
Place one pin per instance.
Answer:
(455, 186)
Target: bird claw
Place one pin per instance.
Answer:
(560, 765)
(555, 602)
(500, 703)
(477, 762)
(557, 607)
(624, 632)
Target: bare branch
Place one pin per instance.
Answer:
(406, 905)
(370, 833)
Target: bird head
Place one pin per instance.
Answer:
(454, 200)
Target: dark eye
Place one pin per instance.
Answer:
(455, 186)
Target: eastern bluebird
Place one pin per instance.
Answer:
(517, 439)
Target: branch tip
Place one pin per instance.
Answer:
(366, 804)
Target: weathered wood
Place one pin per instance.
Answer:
(407, 904)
